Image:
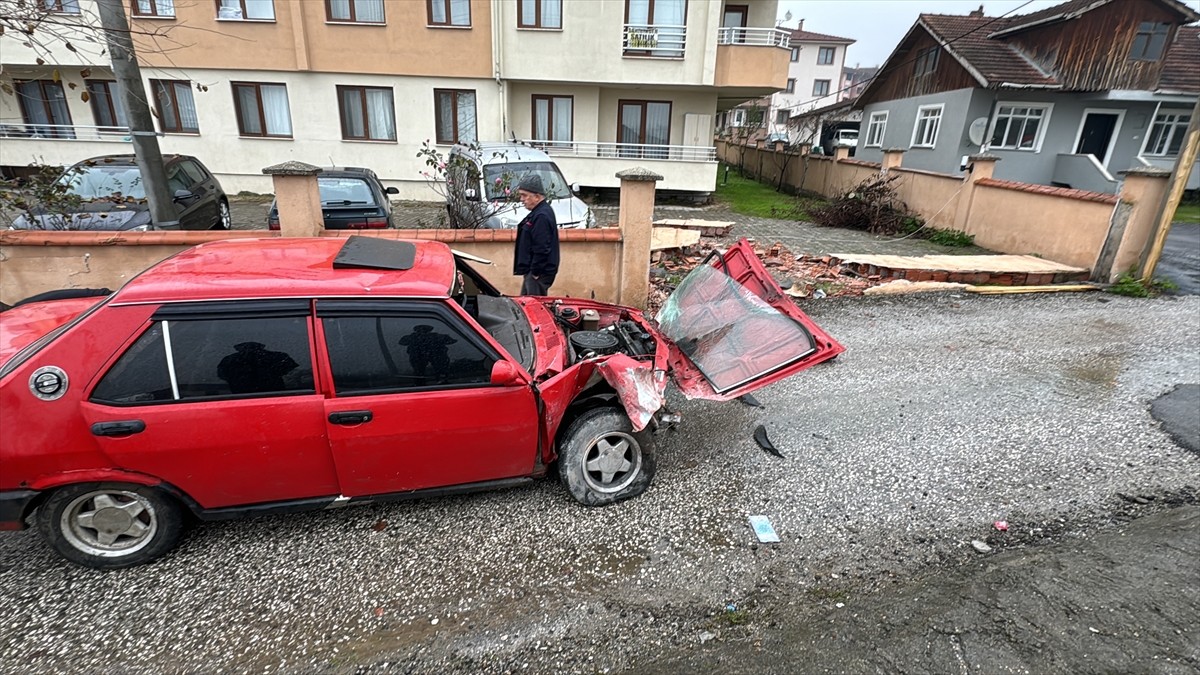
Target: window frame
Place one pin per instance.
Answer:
(880, 116)
(549, 98)
(822, 51)
(60, 6)
(366, 119)
(645, 105)
(329, 18)
(795, 56)
(1043, 124)
(927, 60)
(1177, 125)
(790, 87)
(135, 11)
(262, 111)
(22, 102)
(940, 107)
(826, 89)
(245, 13)
(449, 22)
(111, 96)
(162, 121)
(537, 22)
(457, 92)
(1156, 29)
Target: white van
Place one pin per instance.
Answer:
(483, 187)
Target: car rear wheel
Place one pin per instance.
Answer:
(603, 460)
(112, 525)
(224, 217)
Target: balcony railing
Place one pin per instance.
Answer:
(754, 37)
(681, 153)
(64, 132)
(641, 39)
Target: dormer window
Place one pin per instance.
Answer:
(1150, 41)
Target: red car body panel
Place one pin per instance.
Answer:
(23, 325)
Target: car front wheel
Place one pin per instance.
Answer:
(603, 460)
(108, 526)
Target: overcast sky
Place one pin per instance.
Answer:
(878, 25)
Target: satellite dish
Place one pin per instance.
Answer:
(976, 132)
(787, 16)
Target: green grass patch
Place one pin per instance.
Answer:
(1129, 285)
(1186, 213)
(751, 198)
(955, 238)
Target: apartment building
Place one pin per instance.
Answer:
(243, 84)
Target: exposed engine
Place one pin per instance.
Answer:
(588, 340)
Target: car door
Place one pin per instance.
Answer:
(413, 405)
(198, 207)
(219, 400)
(733, 330)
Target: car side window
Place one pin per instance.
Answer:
(177, 180)
(194, 173)
(369, 354)
(184, 359)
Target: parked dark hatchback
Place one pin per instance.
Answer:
(113, 197)
(351, 198)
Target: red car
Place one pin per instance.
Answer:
(278, 375)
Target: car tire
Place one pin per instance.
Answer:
(603, 460)
(224, 217)
(137, 524)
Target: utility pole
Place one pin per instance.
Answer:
(137, 113)
(1179, 178)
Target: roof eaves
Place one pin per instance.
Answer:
(962, 61)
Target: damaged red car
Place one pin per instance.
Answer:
(278, 375)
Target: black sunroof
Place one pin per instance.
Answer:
(375, 253)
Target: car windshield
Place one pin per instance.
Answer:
(502, 179)
(729, 333)
(102, 181)
(345, 191)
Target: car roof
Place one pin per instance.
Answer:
(512, 152)
(277, 267)
(345, 171)
(126, 160)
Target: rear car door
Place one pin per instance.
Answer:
(413, 405)
(733, 330)
(219, 400)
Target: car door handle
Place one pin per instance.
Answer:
(122, 428)
(351, 417)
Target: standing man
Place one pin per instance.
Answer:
(537, 239)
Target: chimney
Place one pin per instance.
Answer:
(977, 13)
(800, 26)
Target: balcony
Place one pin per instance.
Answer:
(662, 42)
(59, 144)
(688, 168)
(751, 62)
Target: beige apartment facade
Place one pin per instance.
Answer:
(244, 84)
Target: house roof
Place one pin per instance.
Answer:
(1180, 69)
(992, 62)
(809, 36)
(1073, 8)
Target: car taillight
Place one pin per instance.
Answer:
(372, 223)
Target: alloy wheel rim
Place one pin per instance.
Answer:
(109, 523)
(613, 460)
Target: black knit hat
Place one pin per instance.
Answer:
(532, 183)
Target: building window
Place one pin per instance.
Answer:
(45, 104)
(791, 86)
(1019, 127)
(1166, 134)
(454, 111)
(262, 109)
(927, 60)
(61, 6)
(781, 117)
(176, 108)
(246, 10)
(795, 54)
(820, 87)
(164, 8)
(644, 128)
(354, 11)
(553, 118)
(539, 13)
(825, 55)
(367, 113)
(1150, 41)
(655, 28)
(449, 12)
(106, 105)
(875, 128)
(929, 119)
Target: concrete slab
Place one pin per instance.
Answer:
(707, 228)
(662, 238)
(958, 263)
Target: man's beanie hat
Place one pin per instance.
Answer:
(532, 183)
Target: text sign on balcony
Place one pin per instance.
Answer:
(643, 38)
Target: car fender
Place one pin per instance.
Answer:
(44, 483)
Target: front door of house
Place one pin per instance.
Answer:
(1097, 133)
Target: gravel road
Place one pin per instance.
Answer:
(945, 414)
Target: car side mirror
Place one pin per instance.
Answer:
(181, 195)
(392, 191)
(574, 188)
(471, 194)
(506, 374)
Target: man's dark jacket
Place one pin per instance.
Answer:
(537, 243)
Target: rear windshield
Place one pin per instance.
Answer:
(502, 179)
(345, 192)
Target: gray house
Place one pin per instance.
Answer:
(1066, 96)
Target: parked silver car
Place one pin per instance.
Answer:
(483, 185)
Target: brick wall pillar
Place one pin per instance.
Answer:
(298, 198)
(978, 168)
(635, 220)
(841, 152)
(892, 159)
(1133, 222)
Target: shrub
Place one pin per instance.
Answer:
(951, 238)
(872, 206)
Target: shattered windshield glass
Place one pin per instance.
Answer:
(729, 333)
